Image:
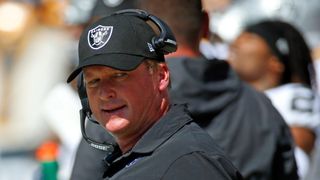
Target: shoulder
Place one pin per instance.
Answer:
(198, 156)
(296, 103)
(290, 91)
(201, 165)
(193, 138)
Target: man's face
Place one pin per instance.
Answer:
(249, 55)
(126, 103)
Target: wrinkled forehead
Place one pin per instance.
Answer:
(94, 70)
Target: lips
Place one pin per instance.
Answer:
(113, 110)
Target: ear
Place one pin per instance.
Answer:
(275, 65)
(164, 76)
(205, 33)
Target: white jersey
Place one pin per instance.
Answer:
(299, 107)
(297, 104)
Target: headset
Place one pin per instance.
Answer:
(164, 44)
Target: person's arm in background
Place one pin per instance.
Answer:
(316, 62)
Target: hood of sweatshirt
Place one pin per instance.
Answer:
(206, 86)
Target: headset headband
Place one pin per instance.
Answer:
(166, 42)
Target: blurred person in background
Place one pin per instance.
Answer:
(274, 58)
(61, 111)
(62, 105)
(234, 114)
(36, 49)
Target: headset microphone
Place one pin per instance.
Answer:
(85, 113)
(109, 147)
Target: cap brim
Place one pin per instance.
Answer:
(123, 62)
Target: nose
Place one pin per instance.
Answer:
(107, 91)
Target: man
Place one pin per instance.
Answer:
(126, 81)
(241, 120)
(273, 57)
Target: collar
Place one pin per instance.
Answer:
(176, 118)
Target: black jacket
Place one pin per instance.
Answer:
(241, 120)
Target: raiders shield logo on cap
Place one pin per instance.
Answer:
(99, 36)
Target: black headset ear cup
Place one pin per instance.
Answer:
(157, 43)
(165, 42)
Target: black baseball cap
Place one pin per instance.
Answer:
(118, 41)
